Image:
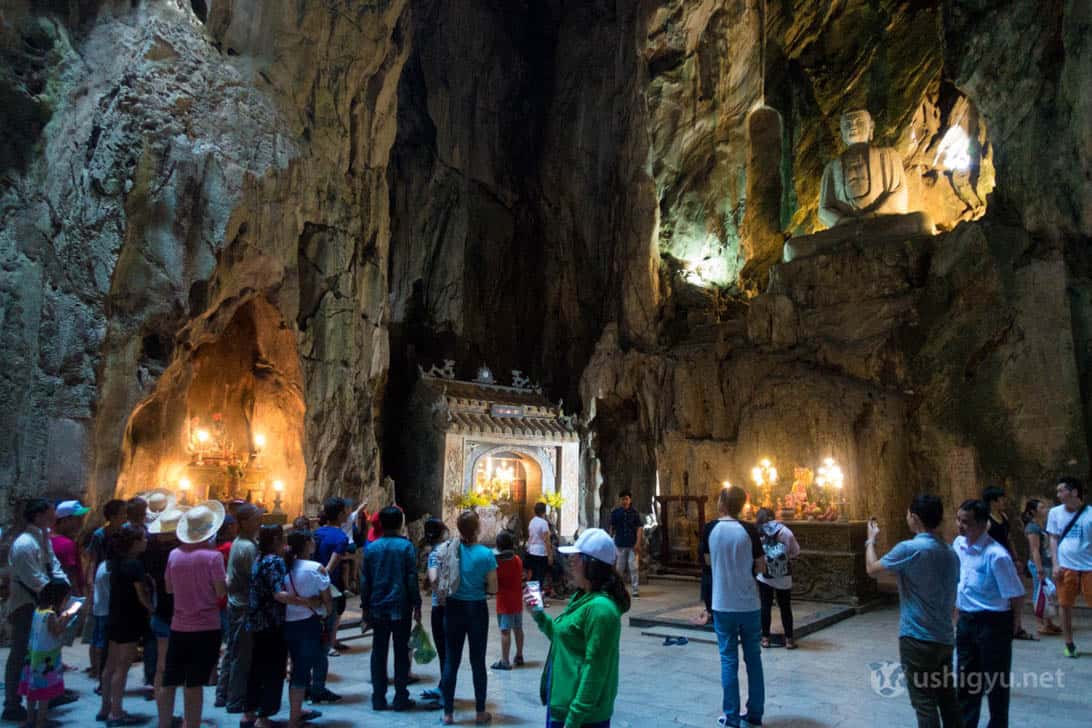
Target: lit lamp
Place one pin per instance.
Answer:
(765, 476)
(830, 475)
(184, 487)
(259, 443)
(278, 489)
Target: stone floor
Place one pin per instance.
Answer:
(826, 683)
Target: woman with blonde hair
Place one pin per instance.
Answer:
(466, 615)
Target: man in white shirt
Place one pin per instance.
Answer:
(735, 553)
(988, 598)
(33, 565)
(539, 552)
(1070, 528)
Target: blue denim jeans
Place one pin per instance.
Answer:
(322, 665)
(465, 622)
(733, 630)
(304, 639)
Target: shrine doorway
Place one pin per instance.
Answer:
(512, 476)
(225, 420)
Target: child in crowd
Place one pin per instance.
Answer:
(43, 674)
(100, 615)
(509, 600)
(435, 534)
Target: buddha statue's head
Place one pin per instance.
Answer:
(857, 127)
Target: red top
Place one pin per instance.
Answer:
(225, 549)
(510, 586)
(65, 550)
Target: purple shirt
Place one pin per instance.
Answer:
(191, 572)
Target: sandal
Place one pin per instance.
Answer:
(765, 642)
(448, 719)
(790, 644)
(483, 718)
(501, 665)
(1052, 629)
(518, 662)
(1023, 635)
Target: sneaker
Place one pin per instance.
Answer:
(220, 703)
(310, 715)
(1071, 651)
(14, 714)
(722, 722)
(407, 704)
(746, 721)
(636, 594)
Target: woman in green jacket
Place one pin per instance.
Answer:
(580, 681)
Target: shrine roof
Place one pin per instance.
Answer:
(457, 389)
(493, 409)
(483, 423)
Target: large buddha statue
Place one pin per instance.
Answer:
(863, 195)
(865, 181)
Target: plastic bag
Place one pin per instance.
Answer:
(1046, 602)
(421, 644)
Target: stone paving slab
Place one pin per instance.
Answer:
(824, 684)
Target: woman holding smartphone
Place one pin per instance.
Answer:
(580, 681)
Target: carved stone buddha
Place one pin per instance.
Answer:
(863, 194)
(865, 181)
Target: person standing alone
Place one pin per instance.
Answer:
(1070, 529)
(736, 555)
(625, 527)
(927, 570)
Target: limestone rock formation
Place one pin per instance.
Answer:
(278, 209)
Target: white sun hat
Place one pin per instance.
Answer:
(596, 543)
(201, 522)
(168, 521)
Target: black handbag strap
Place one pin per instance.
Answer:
(1072, 522)
(297, 591)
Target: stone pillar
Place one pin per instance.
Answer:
(761, 234)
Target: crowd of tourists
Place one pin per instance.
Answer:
(216, 598)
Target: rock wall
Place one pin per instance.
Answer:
(112, 223)
(541, 186)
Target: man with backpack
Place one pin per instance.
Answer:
(1070, 529)
(780, 548)
(927, 570)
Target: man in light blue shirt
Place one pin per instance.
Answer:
(927, 571)
(989, 600)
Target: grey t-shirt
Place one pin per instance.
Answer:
(240, 561)
(928, 575)
(733, 548)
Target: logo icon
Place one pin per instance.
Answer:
(887, 679)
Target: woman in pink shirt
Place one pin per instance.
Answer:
(196, 578)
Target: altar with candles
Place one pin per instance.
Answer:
(497, 449)
(228, 426)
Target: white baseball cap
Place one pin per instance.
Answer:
(71, 508)
(596, 543)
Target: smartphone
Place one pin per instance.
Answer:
(533, 594)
